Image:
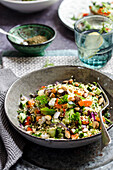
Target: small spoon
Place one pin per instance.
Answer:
(20, 39)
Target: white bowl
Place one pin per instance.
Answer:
(28, 6)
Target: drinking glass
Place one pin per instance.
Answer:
(94, 47)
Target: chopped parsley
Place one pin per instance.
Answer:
(76, 117)
(42, 99)
(63, 100)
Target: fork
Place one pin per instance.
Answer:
(105, 135)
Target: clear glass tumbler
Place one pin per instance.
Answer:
(94, 46)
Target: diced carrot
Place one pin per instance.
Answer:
(29, 129)
(37, 111)
(75, 136)
(97, 118)
(27, 123)
(59, 106)
(71, 99)
(85, 122)
(82, 117)
(28, 120)
(53, 90)
(103, 13)
(90, 7)
(79, 93)
(93, 88)
(64, 110)
(85, 14)
(64, 106)
(76, 84)
(63, 114)
(70, 81)
(56, 101)
(37, 118)
(91, 93)
(31, 103)
(106, 14)
(107, 29)
(85, 103)
(103, 118)
(43, 87)
(100, 10)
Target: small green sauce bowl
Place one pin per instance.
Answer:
(28, 31)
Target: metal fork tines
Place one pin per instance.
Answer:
(105, 135)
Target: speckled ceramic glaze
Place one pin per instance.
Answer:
(31, 82)
(28, 31)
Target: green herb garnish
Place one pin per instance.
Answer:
(48, 64)
(76, 117)
(63, 100)
(74, 18)
(42, 99)
(38, 135)
(47, 111)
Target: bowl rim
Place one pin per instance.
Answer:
(50, 139)
(27, 2)
(34, 45)
(92, 16)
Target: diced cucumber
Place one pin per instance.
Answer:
(81, 135)
(47, 111)
(97, 91)
(59, 132)
(66, 120)
(68, 114)
(52, 132)
(55, 120)
(22, 117)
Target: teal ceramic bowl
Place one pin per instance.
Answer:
(28, 31)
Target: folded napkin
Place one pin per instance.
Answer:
(11, 143)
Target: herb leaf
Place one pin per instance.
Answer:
(74, 18)
(63, 100)
(42, 99)
(47, 64)
(47, 111)
(76, 117)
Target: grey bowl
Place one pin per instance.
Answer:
(32, 81)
